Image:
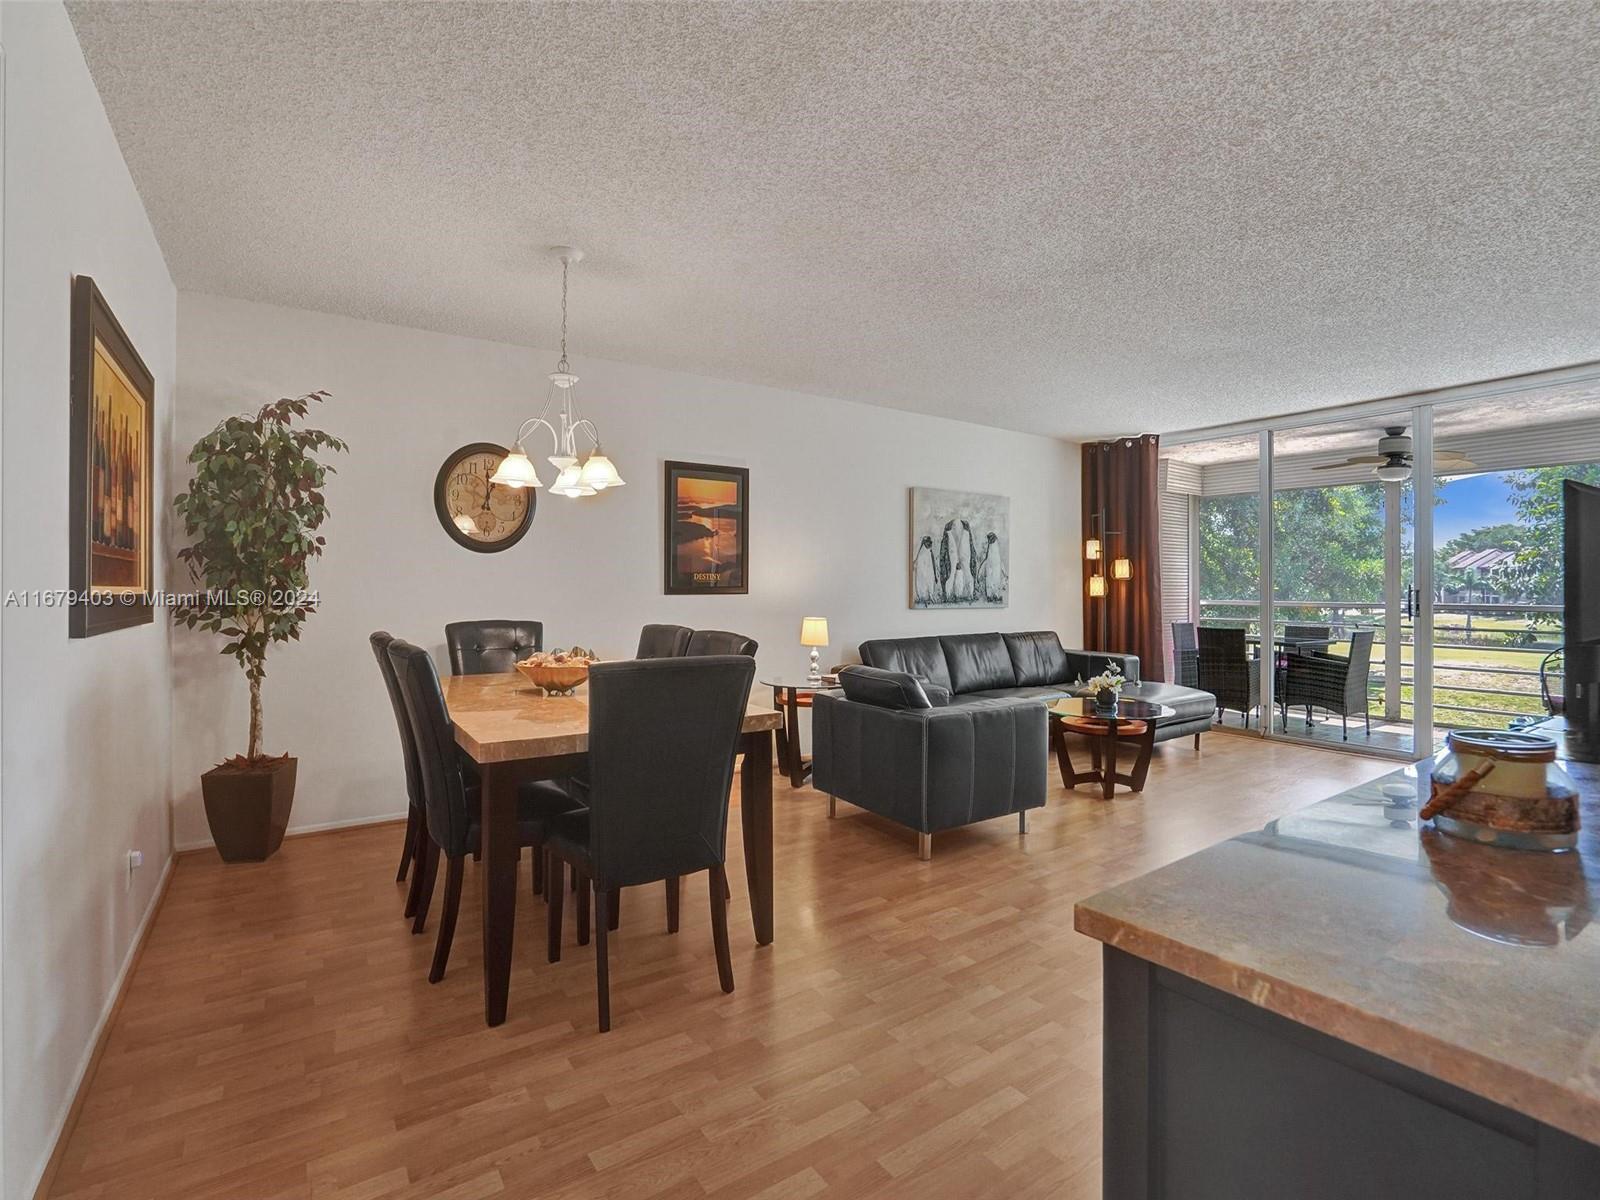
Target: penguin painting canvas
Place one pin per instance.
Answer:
(960, 549)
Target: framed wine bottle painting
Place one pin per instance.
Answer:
(110, 472)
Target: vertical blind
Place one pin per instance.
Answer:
(1178, 551)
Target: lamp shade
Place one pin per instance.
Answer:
(568, 483)
(1091, 549)
(515, 471)
(1121, 568)
(814, 631)
(1097, 585)
(599, 473)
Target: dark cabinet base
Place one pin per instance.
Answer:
(1210, 1098)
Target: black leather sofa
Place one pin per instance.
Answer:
(939, 732)
(988, 666)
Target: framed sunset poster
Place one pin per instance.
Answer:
(110, 472)
(707, 535)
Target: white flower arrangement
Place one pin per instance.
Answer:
(1109, 680)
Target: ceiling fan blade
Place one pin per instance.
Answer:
(1450, 456)
(1367, 460)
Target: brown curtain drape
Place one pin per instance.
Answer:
(1122, 509)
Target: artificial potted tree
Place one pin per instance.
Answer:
(251, 514)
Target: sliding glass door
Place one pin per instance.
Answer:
(1345, 608)
(1293, 554)
(1336, 538)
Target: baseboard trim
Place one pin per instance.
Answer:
(102, 1034)
(296, 831)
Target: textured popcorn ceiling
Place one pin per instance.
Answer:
(1072, 219)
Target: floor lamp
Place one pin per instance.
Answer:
(1094, 550)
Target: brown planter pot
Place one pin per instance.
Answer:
(249, 810)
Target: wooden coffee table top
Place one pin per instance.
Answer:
(1099, 727)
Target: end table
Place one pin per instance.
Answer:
(789, 696)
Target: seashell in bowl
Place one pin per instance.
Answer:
(557, 679)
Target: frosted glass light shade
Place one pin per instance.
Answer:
(569, 483)
(1097, 585)
(515, 471)
(814, 631)
(1091, 549)
(1121, 568)
(599, 473)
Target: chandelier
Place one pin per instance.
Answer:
(595, 473)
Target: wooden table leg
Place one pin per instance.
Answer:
(1058, 736)
(755, 805)
(783, 736)
(797, 764)
(499, 875)
(1108, 763)
(1141, 768)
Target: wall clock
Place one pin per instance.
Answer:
(480, 515)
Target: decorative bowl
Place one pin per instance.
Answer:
(559, 680)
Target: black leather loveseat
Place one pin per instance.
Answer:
(939, 732)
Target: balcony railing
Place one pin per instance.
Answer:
(1480, 650)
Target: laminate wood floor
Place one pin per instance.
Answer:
(918, 1029)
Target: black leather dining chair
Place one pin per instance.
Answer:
(450, 802)
(416, 829)
(663, 641)
(663, 734)
(491, 647)
(719, 641)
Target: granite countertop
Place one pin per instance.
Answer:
(1473, 964)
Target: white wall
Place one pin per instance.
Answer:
(829, 512)
(85, 724)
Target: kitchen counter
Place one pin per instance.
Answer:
(1472, 966)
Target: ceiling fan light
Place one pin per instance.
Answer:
(1394, 472)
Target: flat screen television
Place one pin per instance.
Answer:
(1581, 512)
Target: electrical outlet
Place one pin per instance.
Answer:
(135, 861)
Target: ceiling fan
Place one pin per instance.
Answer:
(1392, 462)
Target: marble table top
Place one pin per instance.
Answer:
(504, 718)
(1473, 964)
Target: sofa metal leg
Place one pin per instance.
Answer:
(833, 806)
(1022, 821)
(924, 846)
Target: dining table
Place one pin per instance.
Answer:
(515, 733)
(1293, 645)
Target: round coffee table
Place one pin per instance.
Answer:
(1134, 723)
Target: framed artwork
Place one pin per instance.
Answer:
(960, 549)
(707, 534)
(110, 472)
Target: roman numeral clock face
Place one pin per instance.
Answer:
(480, 515)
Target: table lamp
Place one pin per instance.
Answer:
(814, 633)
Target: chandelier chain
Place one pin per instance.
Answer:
(563, 315)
